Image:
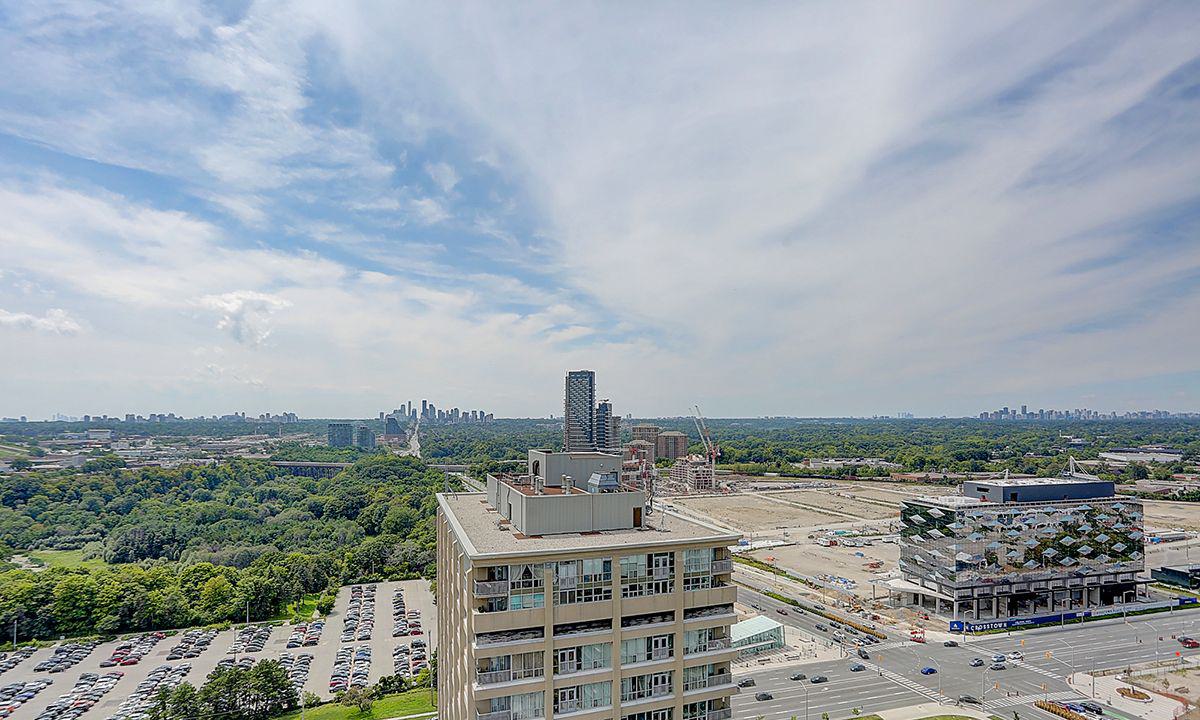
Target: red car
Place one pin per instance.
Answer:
(1188, 642)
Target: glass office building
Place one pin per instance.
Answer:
(1011, 548)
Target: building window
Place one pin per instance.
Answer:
(643, 649)
(526, 586)
(664, 714)
(696, 641)
(583, 657)
(645, 686)
(697, 569)
(526, 706)
(580, 698)
(643, 575)
(580, 581)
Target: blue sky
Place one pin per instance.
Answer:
(766, 209)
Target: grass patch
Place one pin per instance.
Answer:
(299, 611)
(412, 702)
(64, 559)
(11, 451)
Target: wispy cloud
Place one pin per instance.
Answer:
(56, 321)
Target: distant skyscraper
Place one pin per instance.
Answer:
(341, 434)
(391, 426)
(579, 411)
(607, 432)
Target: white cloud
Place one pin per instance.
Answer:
(245, 313)
(429, 210)
(56, 321)
(443, 175)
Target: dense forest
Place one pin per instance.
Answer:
(202, 544)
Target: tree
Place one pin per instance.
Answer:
(311, 700)
(20, 464)
(362, 698)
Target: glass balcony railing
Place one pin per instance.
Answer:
(722, 566)
(707, 682)
(492, 588)
(500, 676)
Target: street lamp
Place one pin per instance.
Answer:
(805, 689)
(939, 674)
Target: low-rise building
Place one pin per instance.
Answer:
(695, 472)
(756, 635)
(1008, 548)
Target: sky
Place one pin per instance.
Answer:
(805, 209)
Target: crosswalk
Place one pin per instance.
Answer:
(888, 645)
(1038, 670)
(908, 684)
(997, 703)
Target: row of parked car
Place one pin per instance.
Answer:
(306, 635)
(251, 638)
(132, 651)
(351, 668)
(297, 668)
(191, 644)
(404, 621)
(9, 661)
(137, 705)
(87, 691)
(65, 657)
(360, 614)
(15, 695)
(408, 661)
(245, 663)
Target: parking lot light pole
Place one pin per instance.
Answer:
(805, 689)
(939, 674)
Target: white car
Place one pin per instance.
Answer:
(1016, 655)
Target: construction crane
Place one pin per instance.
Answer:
(711, 451)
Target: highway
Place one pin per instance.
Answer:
(893, 676)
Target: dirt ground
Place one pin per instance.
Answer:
(837, 500)
(1161, 515)
(751, 513)
(1184, 683)
(808, 559)
(894, 492)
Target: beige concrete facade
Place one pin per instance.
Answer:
(659, 630)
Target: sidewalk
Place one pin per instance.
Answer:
(924, 710)
(1159, 707)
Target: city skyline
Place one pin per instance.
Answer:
(766, 210)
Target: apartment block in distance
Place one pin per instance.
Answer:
(563, 598)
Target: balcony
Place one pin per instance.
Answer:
(496, 715)
(563, 707)
(648, 693)
(710, 681)
(491, 588)
(722, 714)
(711, 646)
(720, 567)
(660, 654)
(502, 676)
(571, 668)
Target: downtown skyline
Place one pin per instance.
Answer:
(766, 210)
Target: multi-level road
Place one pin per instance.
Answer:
(893, 676)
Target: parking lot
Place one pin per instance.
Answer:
(88, 675)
